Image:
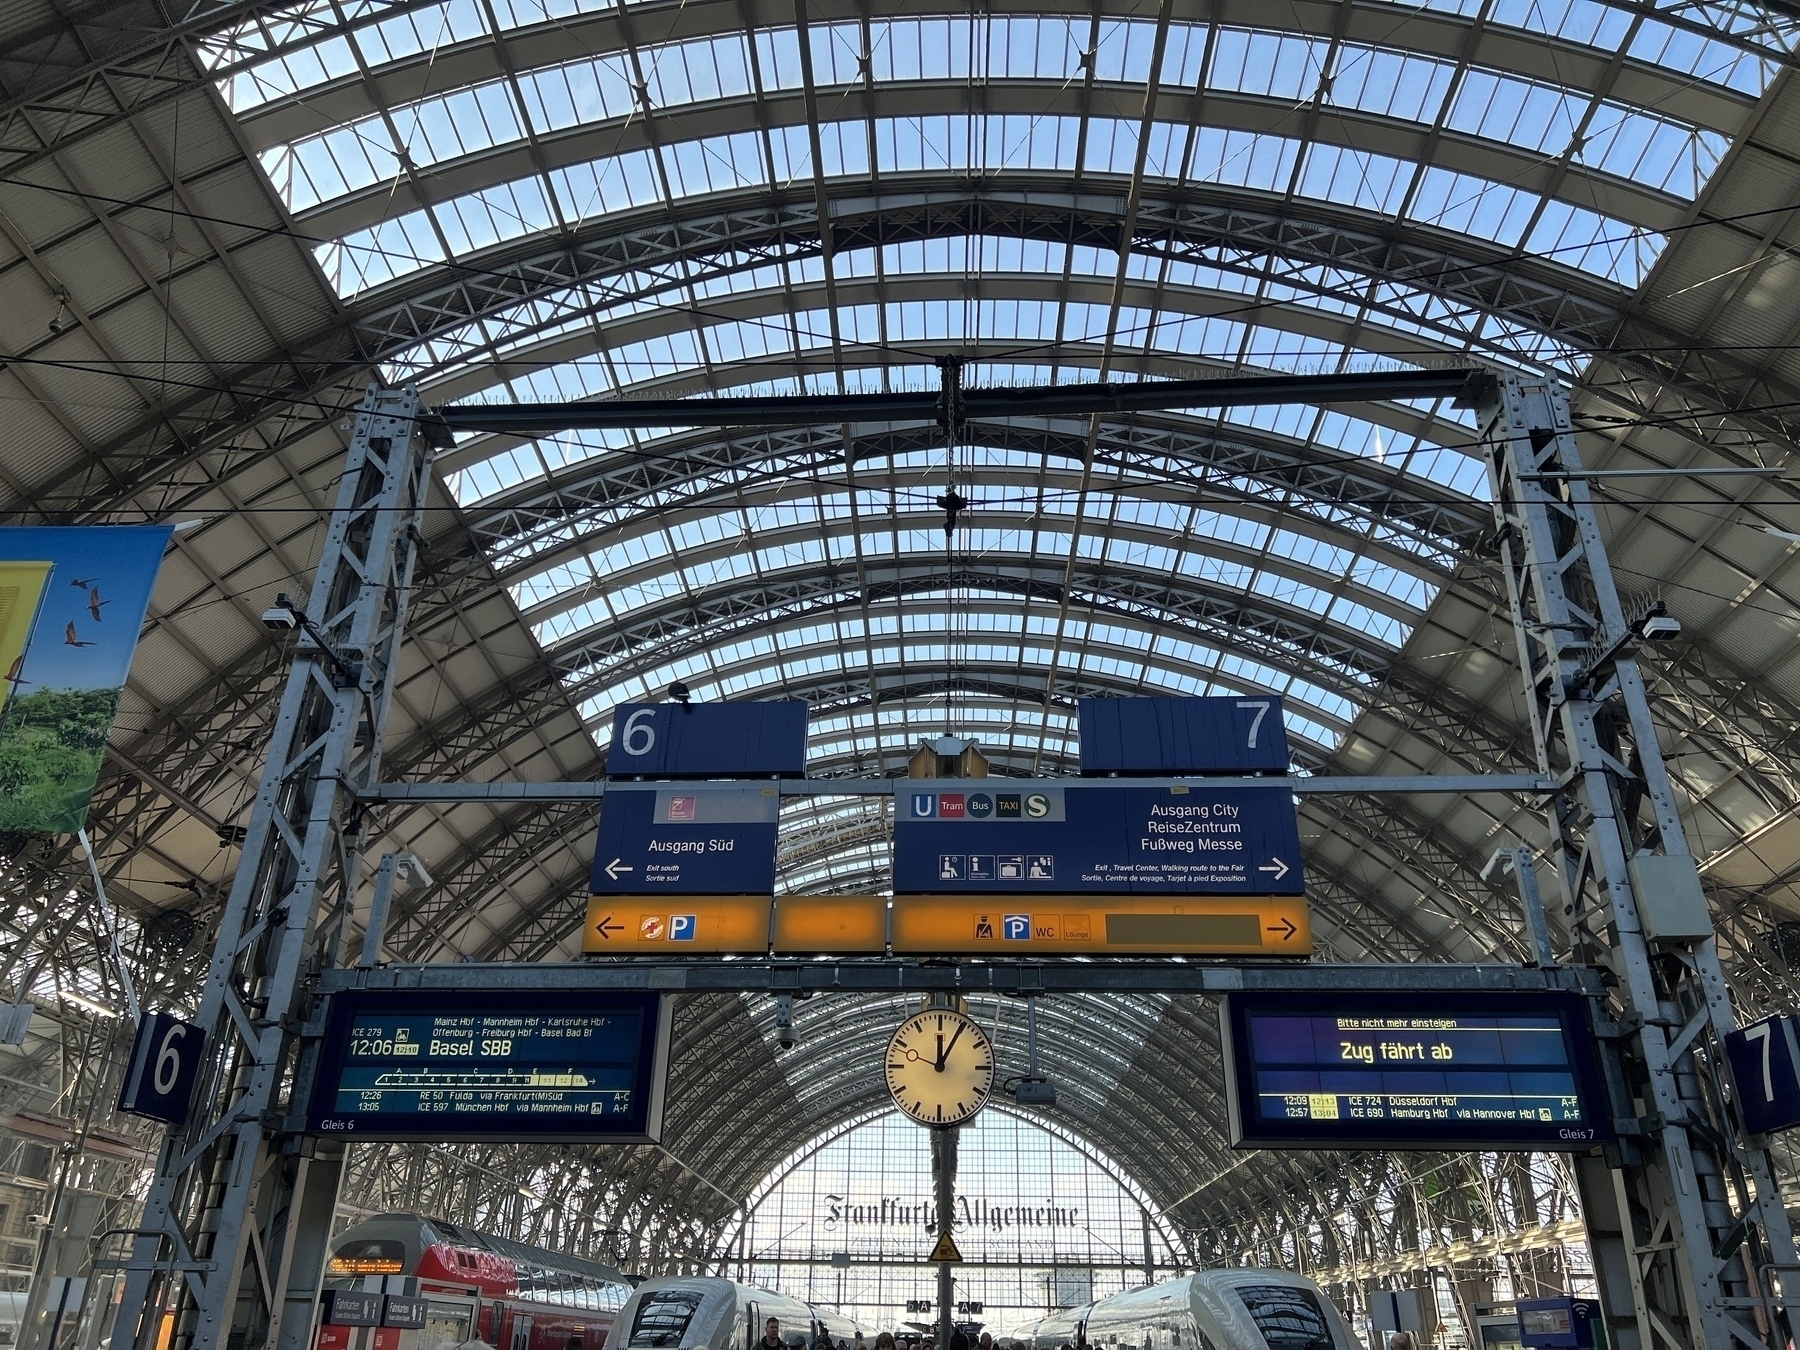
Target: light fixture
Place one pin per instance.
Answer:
(94, 1006)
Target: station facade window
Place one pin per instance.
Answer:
(1041, 1222)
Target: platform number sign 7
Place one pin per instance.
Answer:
(1262, 710)
(165, 1060)
(1765, 1066)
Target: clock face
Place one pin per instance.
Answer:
(940, 1067)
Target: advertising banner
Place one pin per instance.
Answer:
(72, 599)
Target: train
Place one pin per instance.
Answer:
(701, 1313)
(1238, 1308)
(475, 1286)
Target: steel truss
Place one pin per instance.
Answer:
(216, 1243)
(1688, 1233)
(1687, 1226)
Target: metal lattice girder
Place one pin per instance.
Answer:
(1584, 312)
(220, 1202)
(1690, 1216)
(534, 526)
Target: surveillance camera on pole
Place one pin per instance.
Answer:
(1658, 625)
(280, 618)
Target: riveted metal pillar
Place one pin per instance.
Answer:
(230, 1190)
(1684, 1216)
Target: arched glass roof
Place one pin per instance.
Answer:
(503, 200)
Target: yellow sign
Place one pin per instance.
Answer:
(1103, 925)
(807, 925)
(945, 1249)
(21, 588)
(676, 925)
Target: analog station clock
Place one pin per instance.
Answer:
(940, 1067)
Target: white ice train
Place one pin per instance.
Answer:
(694, 1313)
(1227, 1309)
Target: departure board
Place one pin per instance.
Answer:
(492, 1064)
(1427, 1071)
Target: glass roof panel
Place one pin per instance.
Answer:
(759, 668)
(408, 242)
(1008, 47)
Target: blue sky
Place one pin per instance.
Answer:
(121, 560)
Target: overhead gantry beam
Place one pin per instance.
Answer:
(953, 406)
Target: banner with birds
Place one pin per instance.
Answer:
(72, 599)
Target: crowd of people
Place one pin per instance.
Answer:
(773, 1340)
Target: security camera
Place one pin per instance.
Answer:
(784, 1021)
(1658, 625)
(407, 865)
(283, 617)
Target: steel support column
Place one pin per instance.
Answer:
(223, 1200)
(1693, 1220)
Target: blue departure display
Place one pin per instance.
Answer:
(488, 1065)
(1412, 1071)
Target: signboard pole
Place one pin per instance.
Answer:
(1688, 1228)
(230, 1204)
(943, 1166)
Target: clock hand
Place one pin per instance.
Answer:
(939, 1066)
(944, 1050)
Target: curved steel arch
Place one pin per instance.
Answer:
(468, 373)
(1332, 655)
(1220, 225)
(530, 527)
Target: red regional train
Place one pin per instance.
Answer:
(476, 1287)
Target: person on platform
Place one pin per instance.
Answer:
(959, 1341)
(987, 1340)
(771, 1338)
(1403, 1340)
(885, 1341)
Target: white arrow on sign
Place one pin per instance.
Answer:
(1278, 867)
(615, 867)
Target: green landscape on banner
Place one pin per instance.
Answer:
(72, 599)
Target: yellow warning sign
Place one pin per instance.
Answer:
(945, 1249)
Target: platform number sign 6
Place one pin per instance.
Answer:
(638, 736)
(1765, 1066)
(165, 1061)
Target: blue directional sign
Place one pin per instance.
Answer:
(999, 837)
(708, 740)
(1176, 736)
(1765, 1066)
(687, 841)
(165, 1061)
